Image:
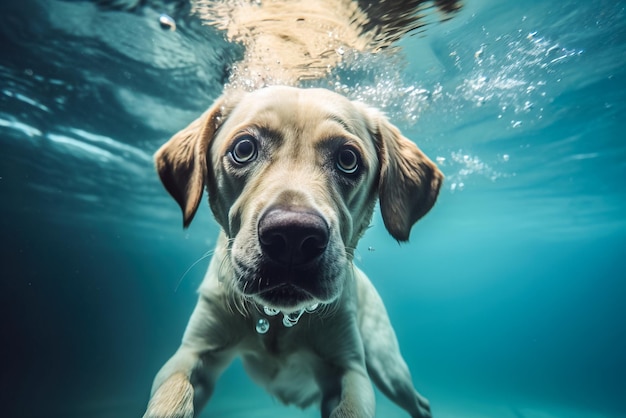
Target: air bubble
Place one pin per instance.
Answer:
(270, 311)
(289, 320)
(262, 326)
(167, 22)
(312, 308)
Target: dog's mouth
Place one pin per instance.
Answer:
(283, 289)
(285, 297)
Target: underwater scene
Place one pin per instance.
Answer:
(509, 300)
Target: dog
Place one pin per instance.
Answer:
(293, 176)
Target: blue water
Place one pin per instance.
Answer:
(509, 301)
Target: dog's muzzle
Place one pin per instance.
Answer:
(292, 241)
(290, 271)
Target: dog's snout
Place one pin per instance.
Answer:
(292, 237)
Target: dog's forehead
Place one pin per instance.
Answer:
(303, 110)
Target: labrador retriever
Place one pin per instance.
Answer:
(293, 176)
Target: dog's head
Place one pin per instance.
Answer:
(293, 176)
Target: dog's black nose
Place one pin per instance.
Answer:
(292, 237)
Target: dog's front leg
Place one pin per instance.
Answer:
(172, 391)
(352, 397)
(185, 383)
(385, 363)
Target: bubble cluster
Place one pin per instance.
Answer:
(461, 166)
(289, 319)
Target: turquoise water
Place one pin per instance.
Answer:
(508, 301)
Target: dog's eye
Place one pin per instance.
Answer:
(348, 161)
(244, 150)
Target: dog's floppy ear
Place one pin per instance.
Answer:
(409, 181)
(181, 161)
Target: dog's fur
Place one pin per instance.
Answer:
(293, 176)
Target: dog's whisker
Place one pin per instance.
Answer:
(236, 300)
(239, 300)
(232, 297)
(195, 263)
(327, 310)
(223, 266)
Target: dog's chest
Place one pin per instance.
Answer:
(284, 366)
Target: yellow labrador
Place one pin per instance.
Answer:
(293, 176)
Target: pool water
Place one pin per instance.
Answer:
(509, 301)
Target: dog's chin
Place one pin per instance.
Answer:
(286, 298)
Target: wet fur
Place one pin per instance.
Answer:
(330, 356)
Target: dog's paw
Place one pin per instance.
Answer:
(173, 399)
(423, 408)
(423, 413)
